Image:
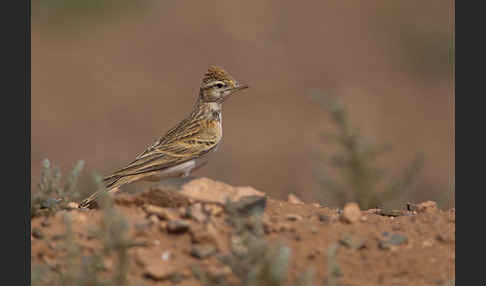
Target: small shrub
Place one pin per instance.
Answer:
(79, 269)
(333, 269)
(252, 259)
(52, 195)
(360, 178)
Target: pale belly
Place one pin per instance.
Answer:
(181, 170)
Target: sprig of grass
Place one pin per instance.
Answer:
(333, 269)
(52, 195)
(356, 164)
(253, 260)
(79, 269)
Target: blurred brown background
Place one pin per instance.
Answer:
(111, 77)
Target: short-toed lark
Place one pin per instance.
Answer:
(185, 147)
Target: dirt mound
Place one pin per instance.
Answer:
(180, 237)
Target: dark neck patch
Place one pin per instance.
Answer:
(216, 115)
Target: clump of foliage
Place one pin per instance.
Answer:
(252, 259)
(362, 180)
(114, 235)
(333, 269)
(81, 269)
(52, 194)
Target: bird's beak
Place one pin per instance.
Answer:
(231, 91)
(240, 87)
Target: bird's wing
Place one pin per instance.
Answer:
(176, 147)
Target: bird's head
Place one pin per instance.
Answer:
(217, 85)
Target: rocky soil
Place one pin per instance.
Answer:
(175, 233)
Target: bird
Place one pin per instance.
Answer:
(184, 148)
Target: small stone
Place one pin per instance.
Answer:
(213, 209)
(181, 211)
(394, 240)
(267, 224)
(294, 199)
(351, 242)
(411, 207)
(427, 243)
(158, 271)
(218, 272)
(45, 223)
(165, 255)
(237, 246)
(72, 205)
(154, 219)
(142, 226)
(162, 213)
(428, 206)
(314, 229)
(177, 226)
(351, 213)
(108, 264)
(249, 205)
(282, 227)
(37, 233)
(293, 217)
(323, 218)
(163, 225)
(390, 213)
(208, 234)
(50, 202)
(202, 251)
(196, 213)
(444, 238)
(206, 190)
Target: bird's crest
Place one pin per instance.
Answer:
(215, 73)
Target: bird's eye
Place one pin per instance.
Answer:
(219, 85)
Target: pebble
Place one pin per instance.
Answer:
(323, 218)
(37, 233)
(394, 240)
(293, 217)
(196, 213)
(294, 199)
(162, 213)
(354, 243)
(351, 213)
(249, 205)
(428, 206)
(72, 205)
(177, 226)
(202, 251)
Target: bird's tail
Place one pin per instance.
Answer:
(112, 184)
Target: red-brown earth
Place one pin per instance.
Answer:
(411, 246)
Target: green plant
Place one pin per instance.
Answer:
(252, 259)
(333, 269)
(356, 164)
(80, 269)
(52, 195)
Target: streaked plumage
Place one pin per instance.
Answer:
(183, 148)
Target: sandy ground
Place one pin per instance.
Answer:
(411, 246)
